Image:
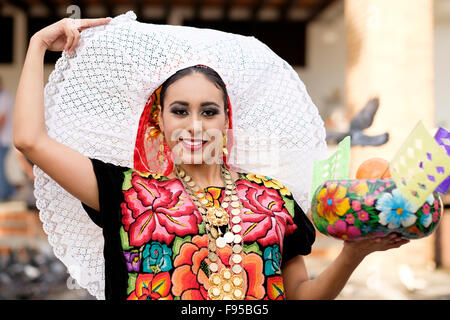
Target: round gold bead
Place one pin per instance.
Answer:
(236, 258)
(212, 256)
(236, 269)
(237, 281)
(215, 279)
(237, 238)
(236, 228)
(226, 273)
(235, 204)
(237, 248)
(212, 246)
(236, 212)
(214, 292)
(220, 242)
(229, 237)
(213, 267)
(226, 287)
(238, 293)
(236, 219)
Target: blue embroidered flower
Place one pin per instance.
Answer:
(272, 260)
(156, 257)
(426, 220)
(365, 228)
(396, 210)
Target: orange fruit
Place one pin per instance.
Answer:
(373, 168)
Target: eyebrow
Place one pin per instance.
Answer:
(203, 104)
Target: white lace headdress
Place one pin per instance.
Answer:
(94, 100)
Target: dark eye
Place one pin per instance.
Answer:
(210, 112)
(179, 112)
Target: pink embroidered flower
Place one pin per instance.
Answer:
(341, 231)
(369, 200)
(157, 210)
(426, 208)
(363, 215)
(436, 215)
(264, 219)
(356, 205)
(350, 218)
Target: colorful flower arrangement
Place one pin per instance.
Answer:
(359, 209)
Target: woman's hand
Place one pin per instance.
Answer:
(65, 33)
(360, 249)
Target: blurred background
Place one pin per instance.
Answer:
(382, 61)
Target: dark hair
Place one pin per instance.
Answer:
(208, 72)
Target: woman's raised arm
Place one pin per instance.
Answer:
(69, 168)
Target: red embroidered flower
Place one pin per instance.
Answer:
(157, 210)
(275, 289)
(151, 287)
(265, 219)
(191, 282)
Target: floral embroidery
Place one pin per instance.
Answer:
(156, 257)
(157, 210)
(150, 287)
(396, 210)
(265, 218)
(190, 280)
(332, 202)
(357, 209)
(166, 249)
(213, 195)
(272, 260)
(133, 260)
(275, 289)
(269, 183)
(341, 230)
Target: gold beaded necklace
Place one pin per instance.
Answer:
(224, 226)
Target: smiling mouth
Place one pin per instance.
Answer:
(193, 144)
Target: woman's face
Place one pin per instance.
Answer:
(193, 120)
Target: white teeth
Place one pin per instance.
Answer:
(193, 143)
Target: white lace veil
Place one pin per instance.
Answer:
(94, 100)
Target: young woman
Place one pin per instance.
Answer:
(201, 232)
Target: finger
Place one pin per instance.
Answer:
(70, 38)
(87, 23)
(398, 244)
(75, 41)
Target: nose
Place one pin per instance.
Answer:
(195, 127)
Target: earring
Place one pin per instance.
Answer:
(224, 144)
(161, 148)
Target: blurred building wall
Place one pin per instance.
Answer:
(326, 60)
(442, 62)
